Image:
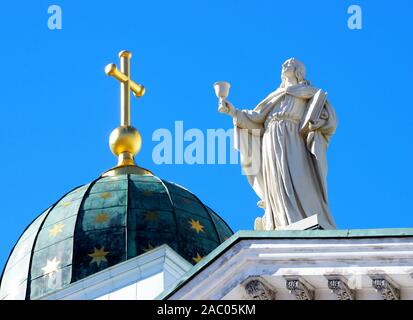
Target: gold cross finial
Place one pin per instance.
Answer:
(125, 141)
(126, 85)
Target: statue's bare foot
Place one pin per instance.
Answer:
(261, 204)
(258, 224)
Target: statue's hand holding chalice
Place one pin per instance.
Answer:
(221, 91)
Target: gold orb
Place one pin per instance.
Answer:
(125, 139)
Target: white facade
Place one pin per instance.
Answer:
(272, 265)
(141, 278)
(320, 265)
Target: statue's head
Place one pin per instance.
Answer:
(293, 68)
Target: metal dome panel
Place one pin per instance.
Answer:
(104, 223)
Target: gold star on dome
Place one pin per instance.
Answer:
(105, 195)
(66, 204)
(56, 229)
(22, 250)
(50, 267)
(101, 217)
(98, 256)
(186, 200)
(151, 216)
(75, 191)
(196, 225)
(197, 258)
(149, 248)
(14, 291)
(147, 193)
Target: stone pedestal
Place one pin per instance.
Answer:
(314, 222)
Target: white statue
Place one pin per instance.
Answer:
(283, 149)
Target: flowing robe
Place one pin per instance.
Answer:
(287, 169)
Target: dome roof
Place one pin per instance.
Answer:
(103, 223)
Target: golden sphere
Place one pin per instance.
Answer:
(125, 139)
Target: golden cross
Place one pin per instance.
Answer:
(125, 141)
(126, 85)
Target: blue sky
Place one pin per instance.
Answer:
(57, 106)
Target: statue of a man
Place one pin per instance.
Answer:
(291, 175)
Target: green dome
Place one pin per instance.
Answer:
(103, 223)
